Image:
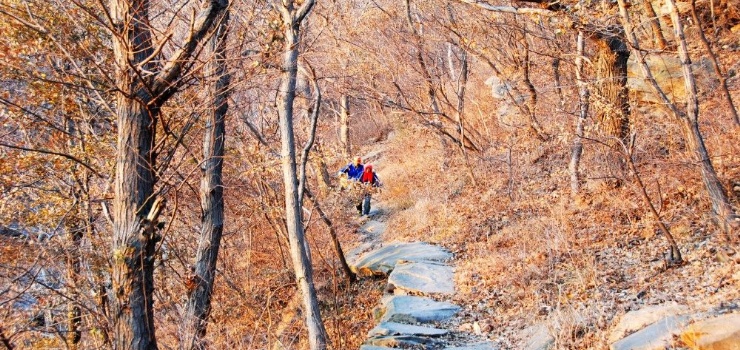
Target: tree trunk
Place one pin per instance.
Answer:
(300, 256)
(351, 277)
(660, 41)
(133, 249)
(720, 202)
(143, 84)
(531, 109)
(344, 126)
(583, 103)
(211, 197)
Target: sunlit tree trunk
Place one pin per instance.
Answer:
(300, 255)
(658, 36)
(715, 65)
(344, 126)
(211, 196)
(689, 119)
(583, 104)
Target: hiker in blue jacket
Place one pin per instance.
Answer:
(354, 170)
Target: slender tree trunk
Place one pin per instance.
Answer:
(351, 277)
(675, 253)
(583, 103)
(728, 220)
(660, 41)
(344, 126)
(715, 65)
(211, 196)
(534, 124)
(300, 256)
(720, 202)
(558, 83)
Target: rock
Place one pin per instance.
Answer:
(403, 341)
(410, 309)
(657, 336)
(393, 328)
(718, 333)
(373, 347)
(537, 337)
(383, 260)
(422, 278)
(476, 346)
(635, 320)
(465, 327)
(666, 69)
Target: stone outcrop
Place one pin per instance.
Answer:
(718, 333)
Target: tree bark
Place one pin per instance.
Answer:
(211, 196)
(583, 103)
(300, 255)
(143, 86)
(660, 41)
(344, 126)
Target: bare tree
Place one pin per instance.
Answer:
(689, 119)
(144, 84)
(293, 14)
(211, 195)
(583, 104)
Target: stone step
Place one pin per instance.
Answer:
(383, 260)
(404, 342)
(394, 328)
(412, 309)
(421, 278)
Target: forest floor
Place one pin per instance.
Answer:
(533, 257)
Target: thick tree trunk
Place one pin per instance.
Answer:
(298, 247)
(583, 103)
(211, 197)
(144, 84)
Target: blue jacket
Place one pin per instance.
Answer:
(353, 172)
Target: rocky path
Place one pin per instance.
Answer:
(413, 313)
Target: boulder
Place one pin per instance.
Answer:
(657, 336)
(537, 337)
(718, 333)
(636, 320)
(666, 69)
(422, 278)
(411, 309)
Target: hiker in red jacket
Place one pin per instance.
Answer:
(369, 179)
